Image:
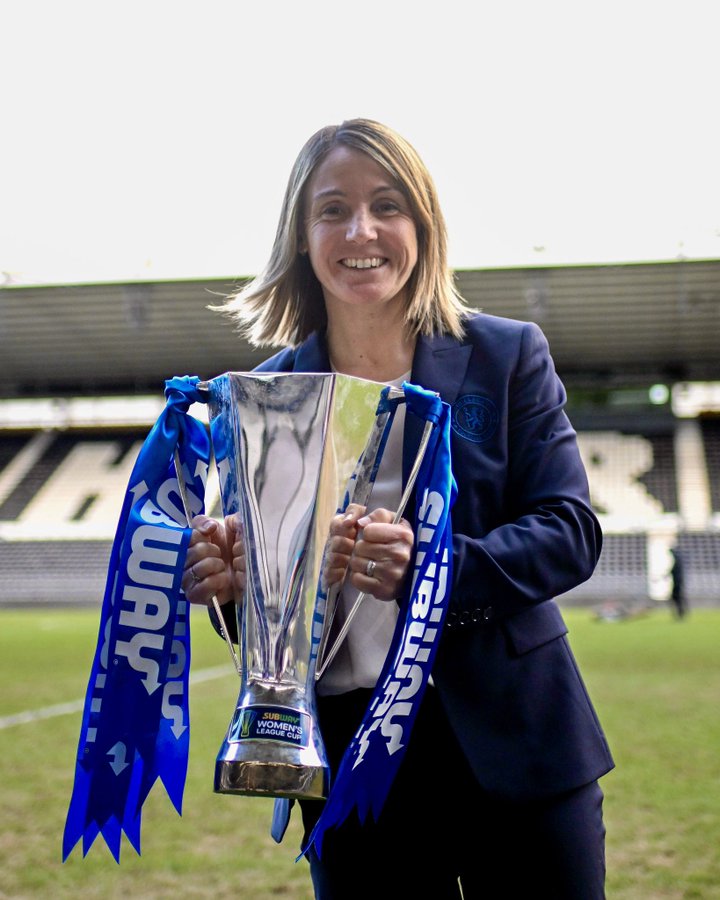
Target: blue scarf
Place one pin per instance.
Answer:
(373, 756)
(135, 726)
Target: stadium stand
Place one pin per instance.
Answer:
(711, 442)
(637, 347)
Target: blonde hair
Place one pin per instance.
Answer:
(284, 303)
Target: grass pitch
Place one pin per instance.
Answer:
(655, 682)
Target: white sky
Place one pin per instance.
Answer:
(153, 138)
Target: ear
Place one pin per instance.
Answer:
(302, 245)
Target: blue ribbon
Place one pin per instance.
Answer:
(135, 726)
(373, 756)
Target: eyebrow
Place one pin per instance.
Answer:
(336, 192)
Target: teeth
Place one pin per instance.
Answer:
(372, 263)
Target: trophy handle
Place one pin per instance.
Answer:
(363, 480)
(204, 388)
(216, 606)
(325, 658)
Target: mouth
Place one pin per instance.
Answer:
(374, 262)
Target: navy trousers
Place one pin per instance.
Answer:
(441, 837)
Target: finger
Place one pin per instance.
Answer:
(239, 571)
(377, 515)
(340, 545)
(201, 550)
(353, 511)
(383, 578)
(342, 528)
(201, 587)
(383, 517)
(382, 540)
(203, 568)
(376, 584)
(347, 521)
(204, 524)
(236, 539)
(233, 527)
(208, 531)
(238, 562)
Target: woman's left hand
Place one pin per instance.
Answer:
(381, 556)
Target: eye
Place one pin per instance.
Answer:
(331, 211)
(391, 204)
(388, 207)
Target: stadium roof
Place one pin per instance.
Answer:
(605, 324)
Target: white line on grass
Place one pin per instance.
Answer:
(64, 709)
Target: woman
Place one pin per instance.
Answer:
(498, 791)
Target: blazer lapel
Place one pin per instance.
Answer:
(440, 364)
(312, 355)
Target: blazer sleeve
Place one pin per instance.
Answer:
(538, 536)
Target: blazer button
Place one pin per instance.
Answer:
(488, 614)
(451, 619)
(464, 617)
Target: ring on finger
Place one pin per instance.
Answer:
(370, 568)
(195, 578)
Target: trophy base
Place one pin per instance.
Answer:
(266, 779)
(273, 747)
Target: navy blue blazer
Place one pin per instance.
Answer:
(523, 533)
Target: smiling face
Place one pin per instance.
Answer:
(359, 232)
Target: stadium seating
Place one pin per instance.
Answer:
(61, 493)
(711, 441)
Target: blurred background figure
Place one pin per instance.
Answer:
(677, 594)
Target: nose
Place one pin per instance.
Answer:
(361, 227)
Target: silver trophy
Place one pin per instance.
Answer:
(291, 450)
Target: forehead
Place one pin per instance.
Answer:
(346, 169)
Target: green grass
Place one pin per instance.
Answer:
(219, 848)
(655, 682)
(656, 685)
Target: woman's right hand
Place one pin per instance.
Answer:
(215, 562)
